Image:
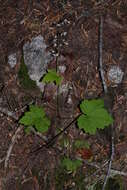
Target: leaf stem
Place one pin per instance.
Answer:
(51, 141)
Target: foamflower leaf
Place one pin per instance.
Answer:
(52, 76)
(35, 117)
(71, 165)
(94, 116)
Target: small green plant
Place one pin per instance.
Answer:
(81, 144)
(71, 165)
(94, 116)
(52, 76)
(35, 117)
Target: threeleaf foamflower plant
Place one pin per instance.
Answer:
(37, 118)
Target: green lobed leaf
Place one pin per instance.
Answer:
(37, 110)
(42, 124)
(35, 117)
(27, 119)
(94, 116)
(88, 106)
(71, 165)
(85, 123)
(52, 76)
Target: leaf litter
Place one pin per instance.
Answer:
(79, 48)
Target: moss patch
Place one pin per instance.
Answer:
(24, 78)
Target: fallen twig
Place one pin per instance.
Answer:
(2, 160)
(110, 162)
(116, 172)
(51, 141)
(12, 114)
(8, 113)
(39, 135)
(105, 91)
(100, 55)
(11, 145)
(99, 168)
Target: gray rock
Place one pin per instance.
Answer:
(115, 75)
(36, 59)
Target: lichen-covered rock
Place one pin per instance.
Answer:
(12, 60)
(36, 59)
(115, 75)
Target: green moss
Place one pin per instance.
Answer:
(24, 78)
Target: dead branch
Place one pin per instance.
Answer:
(2, 160)
(105, 91)
(99, 168)
(44, 138)
(111, 160)
(52, 140)
(116, 172)
(19, 129)
(11, 114)
(101, 55)
(8, 113)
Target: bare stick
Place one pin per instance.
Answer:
(11, 145)
(116, 172)
(11, 114)
(100, 55)
(105, 91)
(51, 141)
(8, 113)
(44, 138)
(1, 160)
(110, 162)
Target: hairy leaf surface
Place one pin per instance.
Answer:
(94, 116)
